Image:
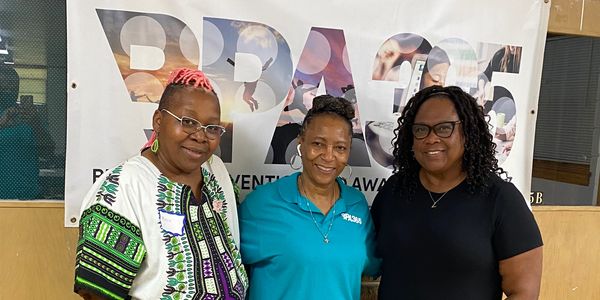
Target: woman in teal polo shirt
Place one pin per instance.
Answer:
(308, 235)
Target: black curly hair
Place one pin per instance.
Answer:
(327, 104)
(479, 160)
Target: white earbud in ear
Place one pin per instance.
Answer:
(298, 150)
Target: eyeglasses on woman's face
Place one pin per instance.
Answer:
(443, 130)
(191, 126)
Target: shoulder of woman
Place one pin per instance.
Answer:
(132, 177)
(505, 194)
(116, 184)
(390, 184)
(116, 173)
(271, 190)
(499, 185)
(352, 193)
(139, 166)
(394, 179)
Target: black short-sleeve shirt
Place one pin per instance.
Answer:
(451, 251)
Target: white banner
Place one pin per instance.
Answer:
(267, 59)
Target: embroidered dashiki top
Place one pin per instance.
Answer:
(143, 236)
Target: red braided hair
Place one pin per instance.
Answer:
(192, 77)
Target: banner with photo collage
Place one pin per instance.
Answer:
(268, 59)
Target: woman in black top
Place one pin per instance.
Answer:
(448, 226)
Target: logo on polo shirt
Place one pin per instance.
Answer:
(351, 218)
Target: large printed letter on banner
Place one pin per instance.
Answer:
(250, 66)
(324, 58)
(146, 47)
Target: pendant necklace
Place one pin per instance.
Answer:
(438, 199)
(326, 234)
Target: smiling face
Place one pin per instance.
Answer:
(325, 148)
(436, 155)
(181, 153)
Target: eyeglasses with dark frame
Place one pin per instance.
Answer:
(191, 126)
(443, 129)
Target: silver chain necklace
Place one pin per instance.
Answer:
(326, 234)
(435, 202)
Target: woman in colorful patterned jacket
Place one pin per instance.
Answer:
(163, 225)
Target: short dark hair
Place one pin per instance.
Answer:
(330, 105)
(479, 160)
(184, 78)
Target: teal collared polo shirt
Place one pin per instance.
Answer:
(287, 255)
